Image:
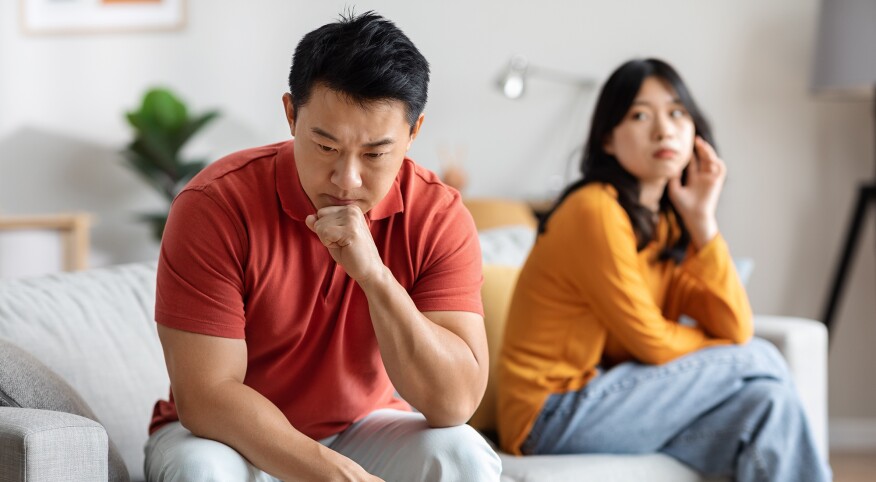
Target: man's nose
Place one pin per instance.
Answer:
(347, 173)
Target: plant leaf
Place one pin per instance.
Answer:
(164, 109)
(192, 126)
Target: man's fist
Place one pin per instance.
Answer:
(345, 232)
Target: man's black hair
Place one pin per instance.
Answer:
(365, 57)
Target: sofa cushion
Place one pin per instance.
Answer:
(499, 282)
(96, 330)
(27, 383)
(508, 245)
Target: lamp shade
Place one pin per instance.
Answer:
(845, 55)
(512, 83)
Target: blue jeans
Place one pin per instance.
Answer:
(728, 411)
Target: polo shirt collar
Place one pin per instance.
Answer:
(297, 205)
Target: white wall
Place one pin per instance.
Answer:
(794, 161)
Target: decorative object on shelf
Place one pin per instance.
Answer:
(452, 166)
(845, 68)
(162, 126)
(92, 16)
(39, 244)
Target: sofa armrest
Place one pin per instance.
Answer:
(803, 343)
(44, 445)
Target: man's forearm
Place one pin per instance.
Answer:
(240, 417)
(432, 368)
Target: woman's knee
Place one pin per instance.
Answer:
(767, 360)
(774, 399)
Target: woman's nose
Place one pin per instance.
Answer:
(663, 128)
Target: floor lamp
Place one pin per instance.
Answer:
(845, 67)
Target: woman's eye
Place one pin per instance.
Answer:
(639, 116)
(678, 113)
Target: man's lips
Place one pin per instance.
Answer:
(665, 153)
(334, 201)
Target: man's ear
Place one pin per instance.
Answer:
(415, 129)
(289, 107)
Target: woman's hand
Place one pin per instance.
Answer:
(697, 200)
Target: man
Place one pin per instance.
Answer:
(300, 284)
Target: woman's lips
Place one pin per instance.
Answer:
(665, 153)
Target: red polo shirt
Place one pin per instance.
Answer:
(237, 261)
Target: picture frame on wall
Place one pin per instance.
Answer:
(94, 16)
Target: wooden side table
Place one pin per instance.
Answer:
(74, 229)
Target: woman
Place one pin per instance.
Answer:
(594, 358)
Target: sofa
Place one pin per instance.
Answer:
(81, 366)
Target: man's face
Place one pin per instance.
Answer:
(346, 152)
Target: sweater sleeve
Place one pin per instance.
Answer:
(707, 288)
(605, 270)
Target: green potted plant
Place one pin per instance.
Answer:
(162, 126)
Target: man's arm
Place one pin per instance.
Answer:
(438, 361)
(206, 374)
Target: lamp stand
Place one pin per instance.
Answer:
(866, 198)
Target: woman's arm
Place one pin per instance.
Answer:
(707, 288)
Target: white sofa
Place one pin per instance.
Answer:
(95, 330)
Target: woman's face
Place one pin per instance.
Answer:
(654, 141)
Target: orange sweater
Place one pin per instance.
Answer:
(585, 297)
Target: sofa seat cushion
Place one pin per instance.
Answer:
(604, 468)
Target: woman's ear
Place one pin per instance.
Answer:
(608, 145)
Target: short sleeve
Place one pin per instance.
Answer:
(200, 269)
(450, 275)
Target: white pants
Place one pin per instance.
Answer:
(390, 444)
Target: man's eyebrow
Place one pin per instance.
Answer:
(378, 143)
(382, 142)
(322, 133)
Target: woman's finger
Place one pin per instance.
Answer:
(706, 151)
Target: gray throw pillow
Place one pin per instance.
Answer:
(25, 382)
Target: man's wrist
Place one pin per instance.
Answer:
(381, 277)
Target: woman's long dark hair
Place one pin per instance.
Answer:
(614, 102)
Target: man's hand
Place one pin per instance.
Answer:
(344, 231)
(697, 201)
